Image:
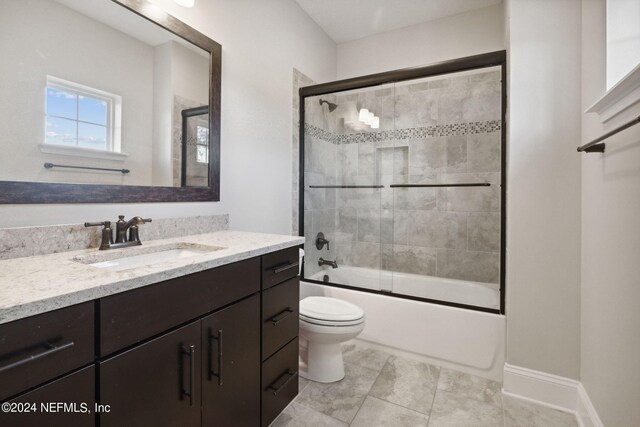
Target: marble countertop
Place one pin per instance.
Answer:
(37, 284)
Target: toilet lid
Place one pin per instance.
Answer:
(329, 309)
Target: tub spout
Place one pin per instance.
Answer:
(333, 264)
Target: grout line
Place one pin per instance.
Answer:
(435, 393)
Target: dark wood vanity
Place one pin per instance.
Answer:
(218, 347)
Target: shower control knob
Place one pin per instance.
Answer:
(321, 241)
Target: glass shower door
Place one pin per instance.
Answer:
(447, 188)
(344, 200)
(403, 188)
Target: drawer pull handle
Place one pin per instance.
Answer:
(284, 267)
(219, 339)
(51, 349)
(190, 351)
(280, 316)
(278, 388)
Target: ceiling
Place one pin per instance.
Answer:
(346, 20)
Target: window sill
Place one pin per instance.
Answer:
(618, 99)
(82, 152)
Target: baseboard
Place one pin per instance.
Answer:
(550, 390)
(586, 412)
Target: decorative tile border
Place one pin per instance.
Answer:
(400, 134)
(320, 133)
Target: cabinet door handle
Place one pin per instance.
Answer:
(190, 351)
(211, 372)
(284, 267)
(280, 316)
(51, 349)
(276, 387)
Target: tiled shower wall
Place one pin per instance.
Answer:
(437, 131)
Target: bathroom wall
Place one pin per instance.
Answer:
(261, 43)
(543, 196)
(438, 130)
(465, 34)
(610, 292)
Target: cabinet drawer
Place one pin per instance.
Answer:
(279, 266)
(133, 316)
(77, 389)
(280, 312)
(279, 381)
(42, 347)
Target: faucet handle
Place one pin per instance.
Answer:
(107, 235)
(133, 230)
(98, 224)
(321, 241)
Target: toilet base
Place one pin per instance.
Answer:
(321, 362)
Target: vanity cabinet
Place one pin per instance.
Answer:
(280, 320)
(130, 317)
(76, 389)
(213, 348)
(156, 383)
(230, 365)
(40, 348)
(280, 316)
(279, 381)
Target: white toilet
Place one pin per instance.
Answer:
(325, 323)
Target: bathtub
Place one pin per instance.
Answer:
(457, 338)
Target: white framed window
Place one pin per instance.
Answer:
(202, 141)
(623, 39)
(82, 117)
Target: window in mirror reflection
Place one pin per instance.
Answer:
(202, 142)
(81, 116)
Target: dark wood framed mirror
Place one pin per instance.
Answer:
(20, 188)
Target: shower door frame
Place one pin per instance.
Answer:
(484, 60)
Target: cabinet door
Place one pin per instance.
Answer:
(231, 365)
(68, 401)
(154, 384)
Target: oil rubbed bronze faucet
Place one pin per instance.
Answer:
(322, 261)
(121, 232)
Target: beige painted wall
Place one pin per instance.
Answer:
(543, 202)
(610, 293)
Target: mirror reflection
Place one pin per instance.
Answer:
(93, 93)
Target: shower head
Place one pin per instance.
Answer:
(331, 105)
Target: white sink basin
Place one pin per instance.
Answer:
(126, 259)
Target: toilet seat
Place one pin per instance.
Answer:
(330, 312)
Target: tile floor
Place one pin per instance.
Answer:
(380, 389)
